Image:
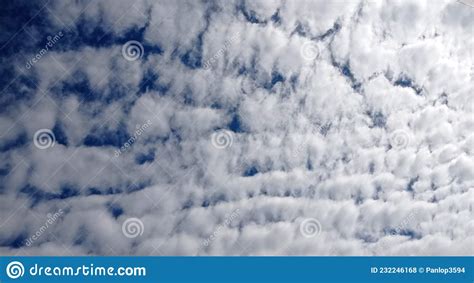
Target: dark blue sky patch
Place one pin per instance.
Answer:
(135, 187)
(134, 33)
(33, 193)
(80, 236)
(235, 125)
(15, 88)
(37, 196)
(92, 191)
(366, 238)
(443, 99)
(174, 134)
(115, 91)
(249, 15)
(410, 233)
(19, 14)
(216, 105)
(143, 158)
(115, 210)
(214, 200)
(276, 19)
(67, 192)
(59, 134)
(346, 71)
(86, 34)
(105, 137)
(78, 85)
(250, 171)
(411, 184)
(249, 71)
(325, 128)
(188, 97)
(15, 242)
(102, 191)
(275, 78)
(193, 57)
(5, 169)
(378, 119)
(293, 82)
(94, 35)
(300, 30)
(17, 142)
(189, 203)
(205, 203)
(148, 81)
(330, 32)
(309, 164)
(372, 167)
(358, 199)
(152, 50)
(405, 81)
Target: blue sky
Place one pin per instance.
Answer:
(236, 128)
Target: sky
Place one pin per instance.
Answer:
(269, 127)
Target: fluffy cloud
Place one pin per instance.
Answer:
(238, 124)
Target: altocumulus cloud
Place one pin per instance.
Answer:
(331, 127)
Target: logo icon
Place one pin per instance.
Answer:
(132, 228)
(310, 227)
(15, 269)
(132, 50)
(44, 138)
(222, 139)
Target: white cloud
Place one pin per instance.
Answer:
(373, 138)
